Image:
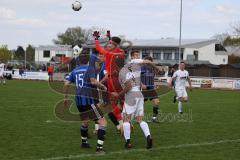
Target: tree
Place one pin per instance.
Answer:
(89, 32)
(77, 35)
(236, 28)
(5, 54)
(232, 59)
(30, 53)
(20, 53)
(232, 41)
(71, 36)
(221, 37)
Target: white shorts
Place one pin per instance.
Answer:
(181, 92)
(134, 106)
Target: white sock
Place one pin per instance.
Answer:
(179, 106)
(126, 130)
(96, 127)
(145, 128)
(120, 124)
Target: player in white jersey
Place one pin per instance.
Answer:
(2, 79)
(134, 100)
(180, 78)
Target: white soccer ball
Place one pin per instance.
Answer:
(77, 50)
(76, 6)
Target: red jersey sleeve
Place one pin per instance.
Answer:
(99, 48)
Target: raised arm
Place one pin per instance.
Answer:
(99, 48)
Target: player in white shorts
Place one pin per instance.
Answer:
(180, 77)
(134, 100)
(2, 79)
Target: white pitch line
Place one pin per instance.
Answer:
(145, 150)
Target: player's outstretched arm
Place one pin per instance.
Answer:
(105, 78)
(190, 83)
(127, 87)
(99, 48)
(172, 79)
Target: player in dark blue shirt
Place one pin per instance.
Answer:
(147, 78)
(84, 77)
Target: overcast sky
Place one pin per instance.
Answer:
(37, 22)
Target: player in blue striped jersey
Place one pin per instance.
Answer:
(147, 78)
(84, 77)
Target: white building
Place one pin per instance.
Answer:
(43, 54)
(163, 51)
(194, 51)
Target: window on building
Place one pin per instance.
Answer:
(219, 47)
(176, 56)
(181, 56)
(60, 55)
(157, 54)
(145, 53)
(195, 53)
(167, 56)
(46, 54)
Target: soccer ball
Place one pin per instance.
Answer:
(76, 6)
(77, 50)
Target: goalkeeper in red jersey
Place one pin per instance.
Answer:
(113, 54)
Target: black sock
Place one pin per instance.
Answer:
(113, 118)
(101, 134)
(155, 110)
(84, 134)
(128, 141)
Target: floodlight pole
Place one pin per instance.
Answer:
(180, 33)
(25, 59)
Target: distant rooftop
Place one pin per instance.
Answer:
(55, 47)
(170, 42)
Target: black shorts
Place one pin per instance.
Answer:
(50, 73)
(150, 94)
(90, 112)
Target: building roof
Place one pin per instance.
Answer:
(170, 42)
(55, 47)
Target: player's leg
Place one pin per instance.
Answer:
(114, 120)
(2, 79)
(127, 130)
(96, 127)
(84, 134)
(52, 77)
(83, 110)
(96, 114)
(144, 126)
(185, 96)
(115, 106)
(155, 102)
(118, 115)
(101, 135)
(180, 95)
(128, 111)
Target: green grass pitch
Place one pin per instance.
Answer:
(29, 129)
